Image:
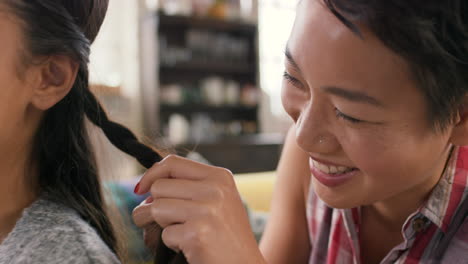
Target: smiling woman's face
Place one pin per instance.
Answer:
(357, 107)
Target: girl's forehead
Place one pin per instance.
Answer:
(10, 24)
(10, 31)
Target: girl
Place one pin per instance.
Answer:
(52, 208)
(378, 93)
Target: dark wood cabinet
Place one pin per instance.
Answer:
(193, 51)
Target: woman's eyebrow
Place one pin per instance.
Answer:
(291, 60)
(354, 96)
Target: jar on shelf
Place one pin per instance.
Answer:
(233, 10)
(219, 9)
(177, 7)
(202, 7)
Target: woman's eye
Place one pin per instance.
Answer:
(289, 78)
(353, 120)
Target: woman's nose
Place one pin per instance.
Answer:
(314, 133)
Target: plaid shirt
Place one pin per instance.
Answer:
(436, 233)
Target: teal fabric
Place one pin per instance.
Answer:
(122, 194)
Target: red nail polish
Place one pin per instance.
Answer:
(137, 188)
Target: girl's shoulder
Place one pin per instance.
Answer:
(49, 232)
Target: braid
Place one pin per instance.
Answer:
(122, 138)
(67, 167)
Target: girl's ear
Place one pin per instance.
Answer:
(56, 78)
(459, 136)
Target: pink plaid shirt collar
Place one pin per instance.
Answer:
(451, 190)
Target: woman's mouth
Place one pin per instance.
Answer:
(331, 175)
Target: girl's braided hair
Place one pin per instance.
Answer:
(67, 167)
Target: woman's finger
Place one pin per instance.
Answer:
(173, 235)
(173, 167)
(143, 219)
(142, 214)
(168, 212)
(182, 189)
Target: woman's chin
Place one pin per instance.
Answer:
(338, 198)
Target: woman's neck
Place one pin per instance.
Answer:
(17, 189)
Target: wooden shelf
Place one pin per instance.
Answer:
(246, 139)
(238, 65)
(242, 154)
(205, 23)
(206, 109)
(211, 67)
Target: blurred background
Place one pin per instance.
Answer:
(199, 78)
(196, 77)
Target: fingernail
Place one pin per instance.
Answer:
(149, 199)
(137, 188)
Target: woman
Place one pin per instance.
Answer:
(378, 93)
(52, 208)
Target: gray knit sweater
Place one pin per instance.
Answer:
(52, 233)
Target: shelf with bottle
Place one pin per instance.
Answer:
(205, 51)
(241, 11)
(209, 94)
(207, 72)
(202, 127)
(207, 67)
(209, 109)
(202, 108)
(210, 23)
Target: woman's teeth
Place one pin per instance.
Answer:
(331, 169)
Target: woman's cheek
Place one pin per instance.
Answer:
(369, 152)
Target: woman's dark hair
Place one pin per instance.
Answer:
(67, 167)
(431, 35)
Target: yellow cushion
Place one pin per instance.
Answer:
(256, 189)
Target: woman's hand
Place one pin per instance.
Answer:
(200, 211)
